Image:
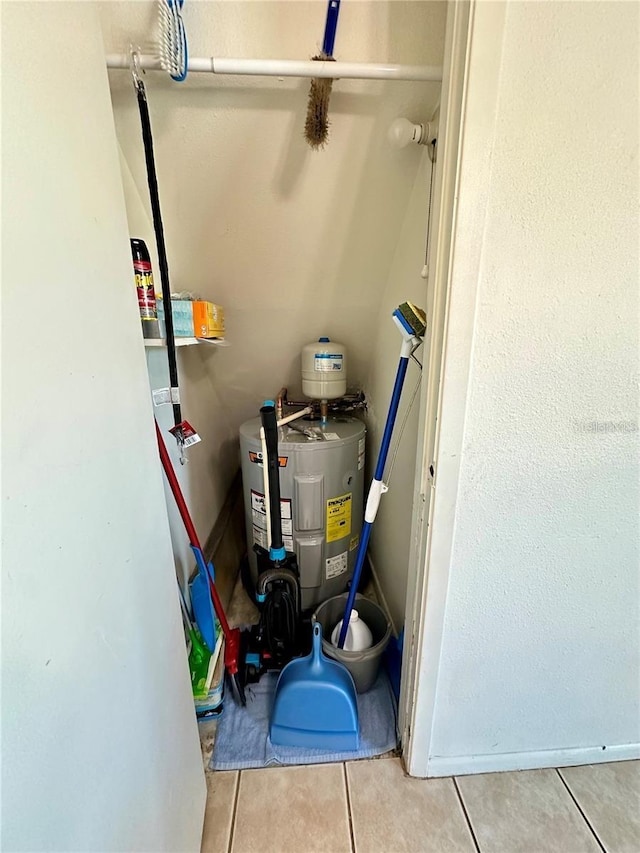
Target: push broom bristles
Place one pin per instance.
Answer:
(316, 127)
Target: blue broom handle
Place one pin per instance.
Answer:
(365, 533)
(391, 417)
(382, 461)
(330, 27)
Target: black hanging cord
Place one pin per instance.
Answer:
(152, 180)
(432, 157)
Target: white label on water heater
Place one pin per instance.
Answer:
(260, 538)
(259, 518)
(327, 362)
(336, 566)
(361, 454)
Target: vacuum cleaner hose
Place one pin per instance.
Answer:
(270, 425)
(281, 614)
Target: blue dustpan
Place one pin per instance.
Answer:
(315, 703)
(203, 610)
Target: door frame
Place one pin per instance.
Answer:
(474, 36)
(424, 609)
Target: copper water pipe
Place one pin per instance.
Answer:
(280, 400)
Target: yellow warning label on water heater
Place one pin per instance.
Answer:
(338, 517)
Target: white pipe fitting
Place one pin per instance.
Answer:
(402, 132)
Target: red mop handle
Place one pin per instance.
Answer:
(175, 488)
(188, 523)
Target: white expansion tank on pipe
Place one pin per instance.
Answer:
(324, 370)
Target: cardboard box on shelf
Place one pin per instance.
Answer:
(182, 313)
(191, 319)
(208, 320)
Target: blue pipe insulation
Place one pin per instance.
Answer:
(379, 473)
(330, 27)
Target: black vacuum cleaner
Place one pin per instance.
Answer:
(281, 633)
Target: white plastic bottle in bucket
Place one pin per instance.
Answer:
(359, 636)
(363, 665)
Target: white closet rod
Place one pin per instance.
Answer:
(291, 68)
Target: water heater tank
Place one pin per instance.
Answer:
(321, 491)
(324, 370)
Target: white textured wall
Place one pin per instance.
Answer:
(100, 749)
(541, 638)
(391, 535)
(293, 243)
(212, 463)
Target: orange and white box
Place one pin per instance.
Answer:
(208, 320)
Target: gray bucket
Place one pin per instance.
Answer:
(363, 666)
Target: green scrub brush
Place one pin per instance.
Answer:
(316, 128)
(199, 654)
(415, 317)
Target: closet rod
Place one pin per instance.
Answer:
(291, 68)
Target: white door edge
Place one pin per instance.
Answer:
(445, 383)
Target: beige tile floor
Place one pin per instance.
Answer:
(372, 807)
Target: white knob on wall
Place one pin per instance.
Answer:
(402, 132)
